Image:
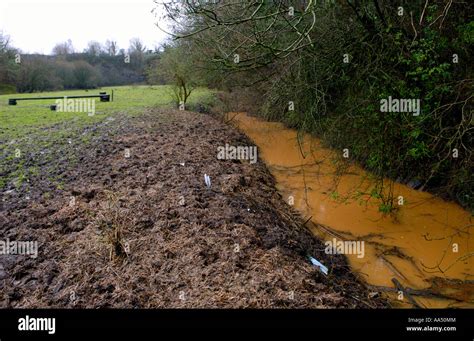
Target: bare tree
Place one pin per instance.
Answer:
(136, 46)
(8, 67)
(136, 51)
(62, 49)
(94, 48)
(111, 47)
(177, 70)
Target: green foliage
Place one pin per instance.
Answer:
(466, 33)
(85, 74)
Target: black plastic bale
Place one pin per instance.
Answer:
(105, 98)
(12, 102)
(53, 107)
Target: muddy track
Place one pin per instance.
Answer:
(135, 226)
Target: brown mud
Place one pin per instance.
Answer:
(144, 231)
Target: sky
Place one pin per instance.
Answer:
(36, 26)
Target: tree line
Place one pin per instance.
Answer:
(98, 65)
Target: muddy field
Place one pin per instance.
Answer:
(133, 225)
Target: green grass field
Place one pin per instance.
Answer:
(32, 116)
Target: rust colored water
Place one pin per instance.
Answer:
(426, 244)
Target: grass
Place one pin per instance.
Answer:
(33, 116)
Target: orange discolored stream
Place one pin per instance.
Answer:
(426, 243)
